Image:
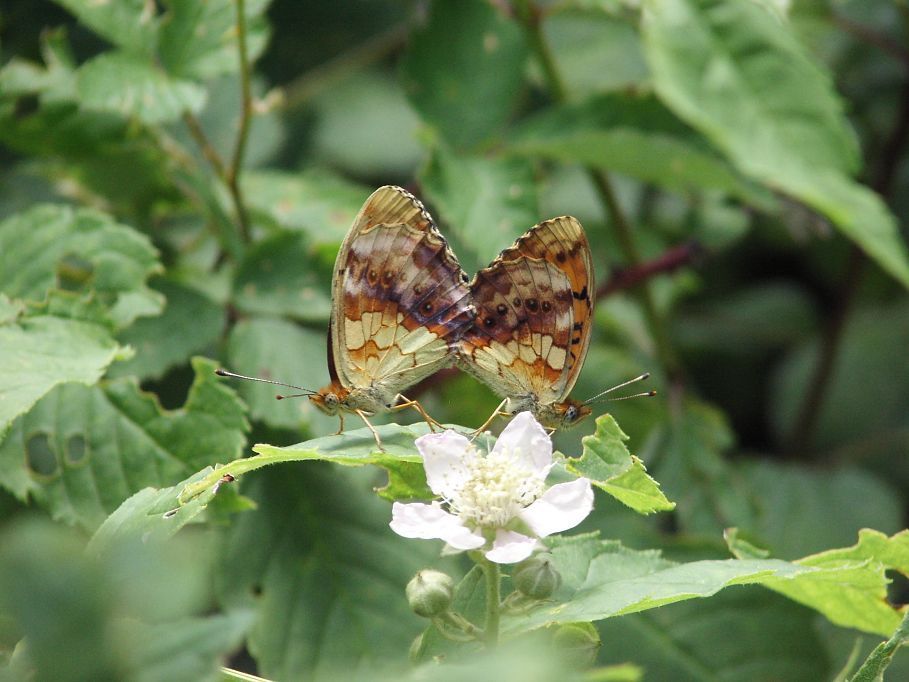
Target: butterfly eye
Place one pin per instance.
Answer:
(571, 413)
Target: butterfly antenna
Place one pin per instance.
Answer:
(645, 375)
(307, 391)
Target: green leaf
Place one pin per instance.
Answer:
(608, 464)
(82, 450)
(276, 349)
(39, 353)
(320, 204)
(198, 38)
(851, 588)
(878, 661)
(463, 70)
(351, 448)
(734, 71)
(154, 514)
(190, 323)
(486, 202)
(53, 246)
(279, 276)
(602, 579)
(122, 83)
(365, 126)
(329, 572)
(635, 136)
(129, 24)
(595, 52)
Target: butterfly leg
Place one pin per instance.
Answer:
(341, 425)
(418, 407)
(495, 413)
(375, 434)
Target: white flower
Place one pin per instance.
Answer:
(496, 501)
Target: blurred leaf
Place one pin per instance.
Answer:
(282, 351)
(710, 493)
(608, 464)
(801, 509)
(128, 618)
(351, 448)
(636, 136)
(320, 204)
(365, 126)
(329, 573)
(737, 322)
(741, 635)
(129, 24)
(133, 87)
(867, 396)
(190, 323)
(198, 37)
(81, 450)
(39, 353)
(735, 72)
(278, 277)
(595, 52)
(463, 70)
(486, 202)
(78, 250)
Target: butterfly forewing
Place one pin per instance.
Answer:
(400, 297)
(534, 310)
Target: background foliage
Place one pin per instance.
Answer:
(739, 168)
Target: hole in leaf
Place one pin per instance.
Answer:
(74, 273)
(40, 455)
(75, 449)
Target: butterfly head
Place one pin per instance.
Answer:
(562, 415)
(332, 399)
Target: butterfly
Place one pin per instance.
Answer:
(534, 313)
(400, 302)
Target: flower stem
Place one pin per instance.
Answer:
(493, 580)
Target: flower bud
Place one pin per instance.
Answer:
(429, 593)
(536, 577)
(580, 641)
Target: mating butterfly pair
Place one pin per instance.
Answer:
(402, 309)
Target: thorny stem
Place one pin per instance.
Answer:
(529, 15)
(493, 598)
(232, 175)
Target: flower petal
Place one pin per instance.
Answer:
(529, 441)
(443, 459)
(510, 547)
(430, 521)
(561, 507)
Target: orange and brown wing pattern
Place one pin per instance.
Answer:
(400, 297)
(534, 311)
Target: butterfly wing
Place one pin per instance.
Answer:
(534, 310)
(400, 298)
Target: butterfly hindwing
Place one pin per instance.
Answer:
(534, 307)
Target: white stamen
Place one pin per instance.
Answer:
(495, 489)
